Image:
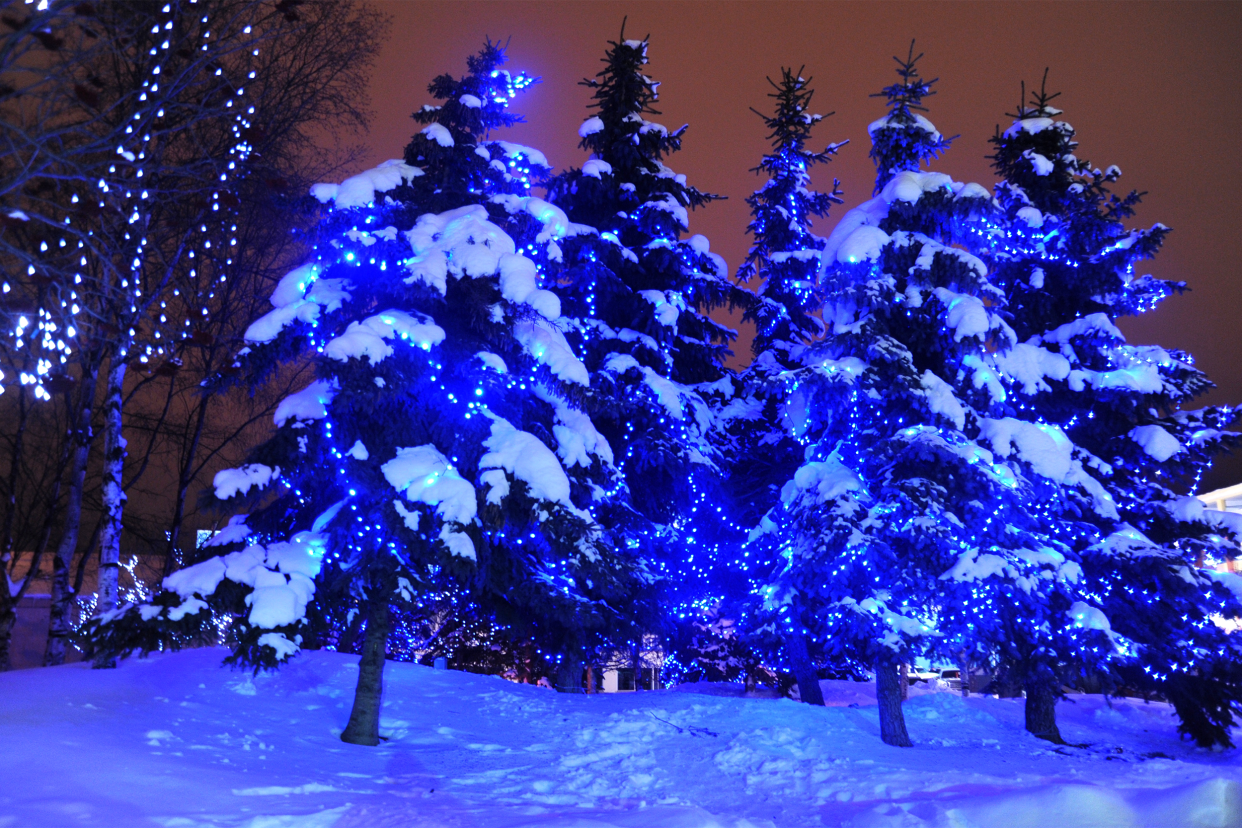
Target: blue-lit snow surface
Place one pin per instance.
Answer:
(178, 742)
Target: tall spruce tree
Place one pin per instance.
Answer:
(443, 440)
(914, 527)
(1067, 264)
(638, 294)
(760, 450)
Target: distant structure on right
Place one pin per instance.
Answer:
(1228, 499)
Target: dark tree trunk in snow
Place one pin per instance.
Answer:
(8, 617)
(569, 674)
(113, 497)
(62, 590)
(888, 696)
(1041, 712)
(803, 670)
(363, 727)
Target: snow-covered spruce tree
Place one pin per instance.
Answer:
(906, 531)
(442, 440)
(761, 451)
(1066, 262)
(638, 294)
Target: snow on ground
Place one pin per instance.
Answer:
(176, 741)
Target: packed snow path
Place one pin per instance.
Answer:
(175, 741)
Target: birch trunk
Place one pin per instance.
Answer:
(62, 590)
(113, 496)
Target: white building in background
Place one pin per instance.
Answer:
(1228, 499)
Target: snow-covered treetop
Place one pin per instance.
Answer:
(479, 102)
(903, 139)
(784, 252)
(650, 287)
(1065, 242)
(458, 161)
(620, 136)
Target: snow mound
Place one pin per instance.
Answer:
(215, 749)
(920, 123)
(299, 296)
(577, 439)
(517, 151)
(825, 480)
(235, 532)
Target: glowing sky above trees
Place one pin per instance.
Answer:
(1149, 86)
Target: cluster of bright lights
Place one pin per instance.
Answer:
(126, 299)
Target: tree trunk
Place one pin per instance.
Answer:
(636, 661)
(348, 641)
(963, 670)
(113, 497)
(569, 674)
(888, 696)
(8, 596)
(79, 574)
(1041, 712)
(36, 561)
(363, 727)
(62, 591)
(183, 486)
(803, 670)
(590, 679)
(8, 618)
(903, 678)
(15, 463)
